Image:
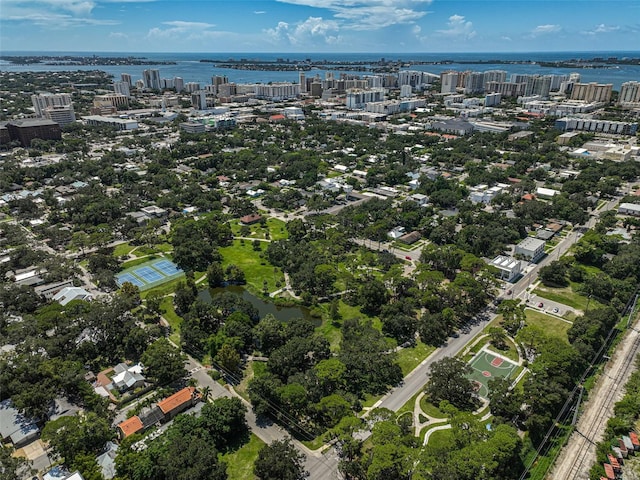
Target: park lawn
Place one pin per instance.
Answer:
(331, 332)
(256, 269)
(566, 296)
(164, 289)
(410, 358)
(252, 370)
(138, 261)
(510, 352)
(277, 229)
(122, 249)
(552, 326)
(240, 462)
(436, 437)
(170, 315)
(430, 409)
(159, 248)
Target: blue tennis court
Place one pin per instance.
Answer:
(148, 274)
(127, 277)
(167, 267)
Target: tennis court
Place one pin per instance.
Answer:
(150, 274)
(487, 365)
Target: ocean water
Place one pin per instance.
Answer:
(189, 67)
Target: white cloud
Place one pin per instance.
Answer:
(602, 28)
(259, 12)
(183, 30)
(545, 30)
(313, 29)
(369, 14)
(118, 35)
(458, 27)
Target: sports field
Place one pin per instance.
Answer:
(487, 365)
(150, 274)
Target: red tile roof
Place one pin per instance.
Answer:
(176, 400)
(131, 425)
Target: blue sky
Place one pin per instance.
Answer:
(319, 25)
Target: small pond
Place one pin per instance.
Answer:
(284, 314)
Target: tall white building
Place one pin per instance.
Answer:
(449, 82)
(125, 77)
(357, 99)
(178, 84)
(302, 80)
(629, 93)
(62, 115)
(474, 83)
(46, 100)
(277, 91)
(192, 87)
(494, 76)
(151, 78)
(405, 91)
(199, 100)
(122, 88)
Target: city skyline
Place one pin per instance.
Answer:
(332, 26)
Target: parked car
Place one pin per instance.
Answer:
(540, 305)
(407, 257)
(555, 310)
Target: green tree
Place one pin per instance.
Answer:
(13, 468)
(215, 274)
(163, 362)
(69, 437)
(448, 381)
(229, 359)
(279, 461)
(513, 315)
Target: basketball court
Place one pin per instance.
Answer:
(487, 365)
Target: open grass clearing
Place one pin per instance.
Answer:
(122, 249)
(430, 409)
(552, 326)
(566, 296)
(240, 463)
(170, 315)
(257, 270)
(409, 358)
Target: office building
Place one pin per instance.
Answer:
(45, 100)
(151, 78)
(123, 88)
(629, 93)
(592, 92)
(117, 123)
(116, 100)
(508, 268)
(25, 130)
(61, 115)
(531, 248)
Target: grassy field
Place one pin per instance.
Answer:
(122, 249)
(256, 269)
(566, 296)
(431, 409)
(410, 358)
(240, 463)
(552, 326)
(275, 227)
(138, 261)
(172, 317)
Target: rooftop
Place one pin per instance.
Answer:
(177, 399)
(130, 426)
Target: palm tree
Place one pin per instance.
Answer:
(206, 393)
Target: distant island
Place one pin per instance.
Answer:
(94, 60)
(382, 65)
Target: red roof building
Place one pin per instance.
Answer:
(608, 470)
(178, 402)
(250, 219)
(130, 426)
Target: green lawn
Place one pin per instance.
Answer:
(138, 261)
(431, 409)
(122, 249)
(256, 269)
(510, 352)
(566, 296)
(240, 463)
(552, 326)
(172, 317)
(410, 358)
(275, 227)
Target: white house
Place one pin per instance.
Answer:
(69, 294)
(531, 248)
(629, 209)
(508, 267)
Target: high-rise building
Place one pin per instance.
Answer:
(356, 99)
(151, 78)
(405, 91)
(302, 80)
(277, 91)
(199, 100)
(448, 82)
(592, 92)
(139, 84)
(541, 86)
(494, 76)
(178, 84)
(192, 87)
(474, 83)
(62, 115)
(125, 77)
(123, 88)
(45, 100)
(27, 129)
(629, 93)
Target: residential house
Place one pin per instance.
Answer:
(68, 294)
(15, 427)
(127, 377)
(178, 402)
